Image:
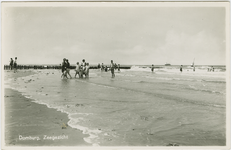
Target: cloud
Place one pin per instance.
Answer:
(182, 48)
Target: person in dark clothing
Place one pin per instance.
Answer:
(11, 63)
(181, 68)
(67, 69)
(64, 68)
(15, 65)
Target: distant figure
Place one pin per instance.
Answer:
(102, 67)
(115, 66)
(99, 66)
(181, 68)
(15, 65)
(77, 69)
(11, 63)
(152, 68)
(212, 69)
(105, 68)
(118, 67)
(194, 68)
(112, 67)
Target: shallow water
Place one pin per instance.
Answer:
(137, 108)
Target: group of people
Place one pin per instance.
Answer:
(211, 69)
(113, 66)
(81, 69)
(13, 64)
(106, 68)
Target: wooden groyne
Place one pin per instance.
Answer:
(7, 67)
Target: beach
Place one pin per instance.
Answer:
(136, 108)
(31, 124)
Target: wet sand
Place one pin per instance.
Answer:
(31, 124)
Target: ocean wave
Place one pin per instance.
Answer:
(214, 81)
(139, 68)
(204, 90)
(93, 133)
(176, 69)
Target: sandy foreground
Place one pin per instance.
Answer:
(31, 124)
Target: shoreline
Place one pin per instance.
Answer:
(36, 128)
(30, 124)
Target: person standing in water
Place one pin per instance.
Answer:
(11, 63)
(152, 68)
(77, 69)
(82, 68)
(68, 68)
(112, 67)
(119, 67)
(181, 68)
(87, 70)
(64, 65)
(102, 67)
(15, 65)
(98, 66)
(212, 69)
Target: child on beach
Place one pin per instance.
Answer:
(15, 65)
(112, 67)
(77, 69)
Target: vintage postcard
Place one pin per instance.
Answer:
(132, 75)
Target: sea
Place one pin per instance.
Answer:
(138, 107)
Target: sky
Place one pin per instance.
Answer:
(127, 35)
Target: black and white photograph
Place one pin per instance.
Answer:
(115, 74)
